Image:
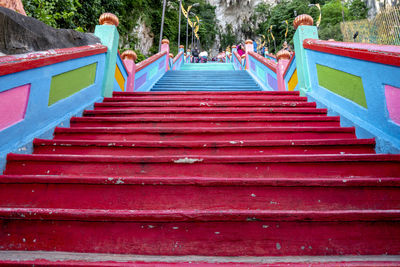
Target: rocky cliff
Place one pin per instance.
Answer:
(235, 13)
(375, 5)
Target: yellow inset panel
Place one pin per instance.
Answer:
(293, 81)
(120, 79)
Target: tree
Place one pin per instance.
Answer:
(333, 12)
(228, 38)
(358, 10)
(276, 15)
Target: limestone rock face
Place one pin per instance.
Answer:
(20, 34)
(235, 13)
(145, 37)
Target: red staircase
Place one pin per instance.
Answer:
(201, 173)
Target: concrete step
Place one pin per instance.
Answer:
(47, 258)
(239, 121)
(183, 93)
(203, 133)
(270, 166)
(262, 232)
(233, 148)
(202, 194)
(207, 103)
(216, 97)
(205, 111)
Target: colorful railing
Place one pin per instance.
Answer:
(263, 70)
(121, 75)
(290, 75)
(178, 61)
(361, 83)
(271, 57)
(42, 90)
(237, 61)
(150, 70)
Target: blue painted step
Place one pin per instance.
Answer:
(206, 80)
(207, 66)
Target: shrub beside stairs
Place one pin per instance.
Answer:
(213, 174)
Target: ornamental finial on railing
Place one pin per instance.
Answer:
(109, 19)
(129, 54)
(283, 54)
(165, 41)
(303, 19)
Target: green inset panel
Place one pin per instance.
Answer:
(260, 74)
(69, 83)
(152, 72)
(344, 84)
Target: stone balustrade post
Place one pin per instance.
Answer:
(248, 47)
(283, 57)
(234, 48)
(165, 47)
(109, 36)
(129, 57)
(304, 30)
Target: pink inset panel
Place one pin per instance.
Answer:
(13, 105)
(393, 102)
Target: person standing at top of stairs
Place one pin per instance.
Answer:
(195, 55)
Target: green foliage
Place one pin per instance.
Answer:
(358, 10)
(275, 16)
(83, 15)
(330, 32)
(140, 56)
(56, 13)
(333, 12)
(228, 38)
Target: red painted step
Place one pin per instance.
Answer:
(103, 193)
(154, 148)
(202, 134)
(99, 106)
(84, 260)
(201, 112)
(277, 166)
(208, 233)
(206, 97)
(236, 121)
(208, 93)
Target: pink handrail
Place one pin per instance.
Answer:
(385, 54)
(150, 60)
(267, 62)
